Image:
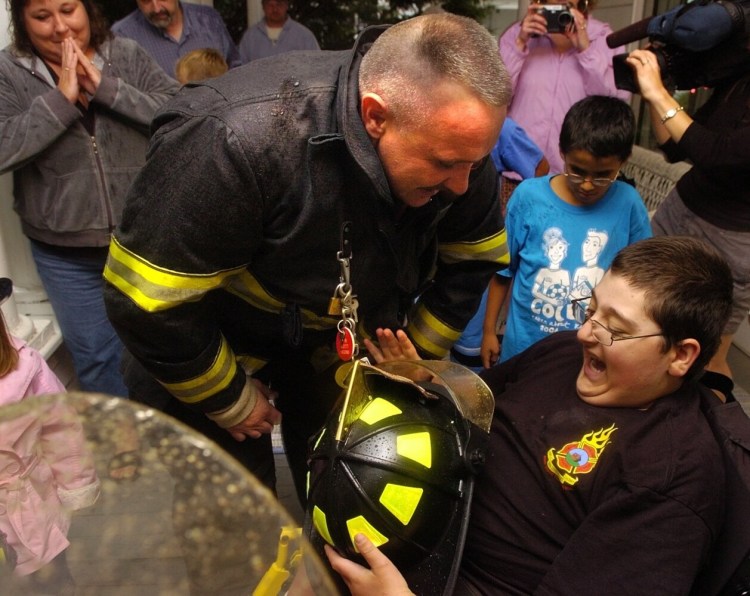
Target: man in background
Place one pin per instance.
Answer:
(275, 33)
(169, 29)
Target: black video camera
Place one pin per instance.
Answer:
(697, 45)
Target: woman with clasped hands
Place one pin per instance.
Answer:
(75, 108)
(553, 70)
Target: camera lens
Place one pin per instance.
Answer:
(565, 18)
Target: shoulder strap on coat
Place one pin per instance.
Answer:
(728, 570)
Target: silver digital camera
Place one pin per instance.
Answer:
(559, 18)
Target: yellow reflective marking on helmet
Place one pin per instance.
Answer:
(320, 437)
(377, 410)
(359, 525)
(321, 524)
(416, 446)
(401, 501)
(307, 484)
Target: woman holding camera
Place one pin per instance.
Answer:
(75, 107)
(712, 200)
(556, 56)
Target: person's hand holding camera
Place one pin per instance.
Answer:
(535, 24)
(532, 25)
(576, 32)
(668, 119)
(648, 75)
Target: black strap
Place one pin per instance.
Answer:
(719, 382)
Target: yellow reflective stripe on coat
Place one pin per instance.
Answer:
(431, 334)
(247, 287)
(154, 288)
(494, 248)
(251, 364)
(216, 378)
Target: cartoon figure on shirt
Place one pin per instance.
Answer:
(552, 283)
(587, 277)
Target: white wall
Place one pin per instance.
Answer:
(39, 330)
(254, 12)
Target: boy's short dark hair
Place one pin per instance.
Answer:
(603, 126)
(688, 289)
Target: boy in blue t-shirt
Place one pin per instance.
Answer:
(564, 230)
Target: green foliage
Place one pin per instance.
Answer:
(336, 23)
(476, 9)
(234, 13)
(114, 10)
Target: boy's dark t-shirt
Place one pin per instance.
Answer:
(578, 499)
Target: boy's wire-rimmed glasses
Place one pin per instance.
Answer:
(598, 182)
(602, 334)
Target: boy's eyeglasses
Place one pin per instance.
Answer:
(602, 334)
(598, 182)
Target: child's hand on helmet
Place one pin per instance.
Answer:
(381, 579)
(391, 346)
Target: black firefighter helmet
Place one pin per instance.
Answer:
(396, 461)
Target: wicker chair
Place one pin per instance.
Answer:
(654, 176)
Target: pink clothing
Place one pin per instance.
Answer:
(32, 376)
(546, 83)
(45, 468)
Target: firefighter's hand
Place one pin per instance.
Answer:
(391, 346)
(262, 418)
(381, 579)
(252, 415)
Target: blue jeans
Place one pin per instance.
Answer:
(73, 282)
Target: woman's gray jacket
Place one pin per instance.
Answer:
(69, 186)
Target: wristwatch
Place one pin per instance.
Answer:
(671, 113)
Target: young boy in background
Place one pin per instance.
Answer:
(198, 65)
(564, 230)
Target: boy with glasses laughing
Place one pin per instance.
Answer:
(564, 230)
(603, 475)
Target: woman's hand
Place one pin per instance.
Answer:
(77, 74)
(68, 82)
(392, 346)
(533, 24)
(576, 31)
(89, 76)
(660, 100)
(648, 75)
(381, 579)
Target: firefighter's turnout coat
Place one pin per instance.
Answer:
(227, 253)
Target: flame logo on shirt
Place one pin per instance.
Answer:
(578, 457)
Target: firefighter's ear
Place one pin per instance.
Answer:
(374, 113)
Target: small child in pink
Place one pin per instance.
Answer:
(46, 471)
